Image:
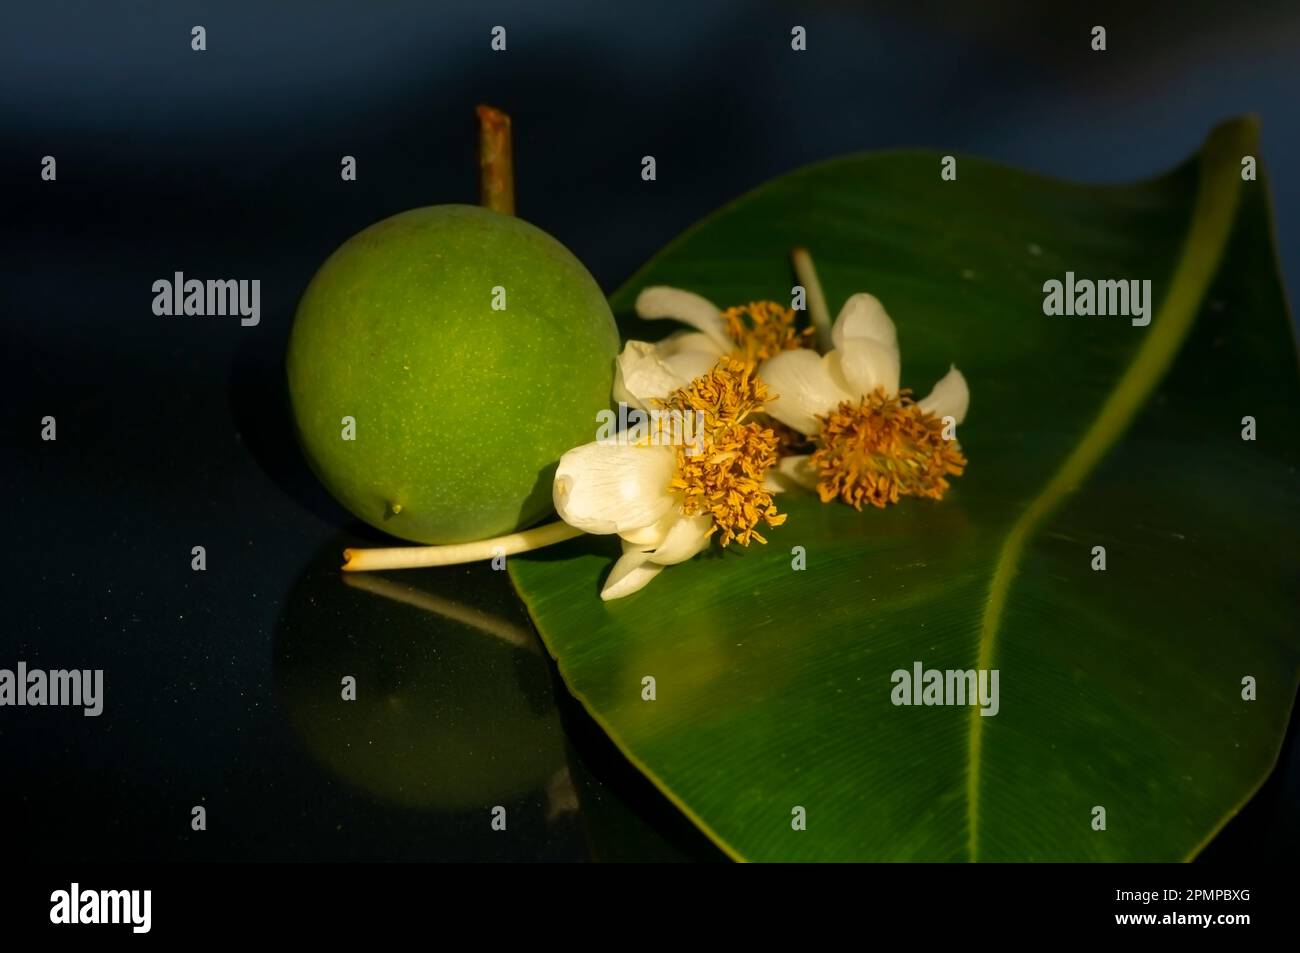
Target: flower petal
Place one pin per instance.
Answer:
(793, 472)
(610, 488)
(689, 365)
(686, 307)
(632, 572)
(647, 538)
(863, 316)
(689, 535)
(682, 341)
(803, 388)
(863, 364)
(642, 375)
(950, 397)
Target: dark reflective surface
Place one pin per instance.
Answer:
(452, 718)
(453, 722)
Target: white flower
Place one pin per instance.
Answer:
(666, 502)
(616, 488)
(856, 386)
(648, 372)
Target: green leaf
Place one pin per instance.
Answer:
(1119, 689)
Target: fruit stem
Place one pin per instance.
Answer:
(414, 557)
(817, 310)
(496, 164)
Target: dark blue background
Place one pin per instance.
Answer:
(174, 433)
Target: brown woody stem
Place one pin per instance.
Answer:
(496, 163)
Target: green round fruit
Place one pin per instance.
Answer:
(459, 407)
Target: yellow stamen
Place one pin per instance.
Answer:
(763, 329)
(726, 479)
(884, 448)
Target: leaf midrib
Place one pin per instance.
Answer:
(1213, 214)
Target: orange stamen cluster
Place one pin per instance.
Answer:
(883, 448)
(763, 329)
(723, 476)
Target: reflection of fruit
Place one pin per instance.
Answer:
(447, 717)
(461, 410)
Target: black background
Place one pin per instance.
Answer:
(173, 432)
